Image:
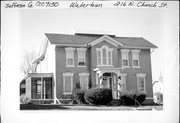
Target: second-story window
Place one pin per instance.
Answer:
(104, 56)
(125, 58)
(110, 57)
(81, 56)
(70, 57)
(98, 57)
(135, 58)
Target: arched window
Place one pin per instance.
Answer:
(104, 56)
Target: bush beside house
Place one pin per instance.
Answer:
(132, 97)
(115, 102)
(140, 96)
(103, 96)
(98, 96)
(79, 95)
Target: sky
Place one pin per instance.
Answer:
(146, 23)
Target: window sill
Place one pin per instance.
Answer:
(70, 66)
(104, 65)
(81, 66)
(69, 93)
(136, 67)
(125, 67)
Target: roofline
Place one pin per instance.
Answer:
(98, 40)
(115, 43)
(94, 34)
(88, 45)
(140, 47)
(72, 45)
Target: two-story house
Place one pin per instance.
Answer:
(90, 60)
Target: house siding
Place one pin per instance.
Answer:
(93, 59)
(114, 54)
(145, 67)
(61, 68)
(131, 79)
(91, 64)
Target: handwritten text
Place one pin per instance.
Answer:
(85, 5)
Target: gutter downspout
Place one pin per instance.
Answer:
(56, 101)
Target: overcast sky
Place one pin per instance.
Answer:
(146, 23)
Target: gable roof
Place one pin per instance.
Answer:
(70, 39)
(107, 39)
(86, 39)
(135, 42)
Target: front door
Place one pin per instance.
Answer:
(109, 81)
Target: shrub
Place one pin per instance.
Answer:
(140, 97)
(98, 96)
(115, 102)
(129, 97)
(24, 99)
(79, 95)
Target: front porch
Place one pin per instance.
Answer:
(39, 86)
(111, 77)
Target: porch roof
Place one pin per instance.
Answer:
(107, 68)
(102, 70)
(37, 75)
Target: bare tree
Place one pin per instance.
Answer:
(27, 62)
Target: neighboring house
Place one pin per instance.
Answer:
(90, 60)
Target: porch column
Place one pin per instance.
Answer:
(118, 85)
(114, 87)
(99, 78)
(54, 91)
